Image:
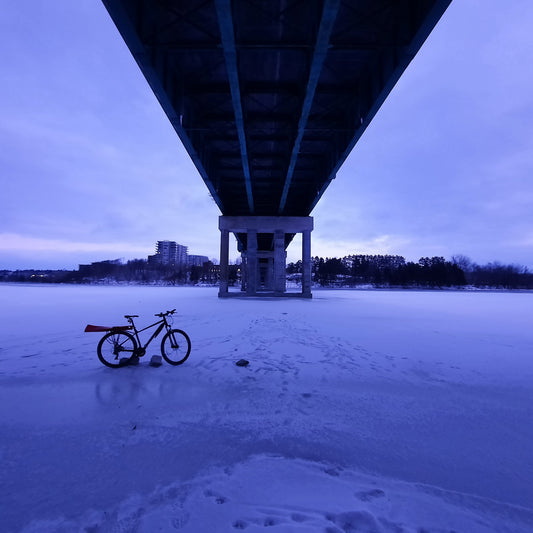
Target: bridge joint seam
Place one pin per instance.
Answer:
(227, 33)
(329, 15)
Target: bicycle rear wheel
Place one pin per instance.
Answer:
(175, 347)
(115, 345)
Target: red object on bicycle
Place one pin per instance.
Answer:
(98, 329)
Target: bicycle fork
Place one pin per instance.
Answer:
(173, 344)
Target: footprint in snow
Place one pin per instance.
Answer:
(219, 499)
(333, 471)
(369, 495)
(355, 521)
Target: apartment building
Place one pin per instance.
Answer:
(197, 260)
(169, 253)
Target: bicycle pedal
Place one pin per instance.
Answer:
(133, 361)
(156, 360)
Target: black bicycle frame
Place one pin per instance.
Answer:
(163, 323)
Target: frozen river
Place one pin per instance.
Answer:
(385, 411)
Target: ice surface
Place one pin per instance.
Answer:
(380, 411)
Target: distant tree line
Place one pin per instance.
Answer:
(138, 271)
(495, 274)
(349, 271)
(34, 276)
(429, 272)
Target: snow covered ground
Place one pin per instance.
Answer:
(372, 411)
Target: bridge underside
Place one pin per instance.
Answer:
(269, 98)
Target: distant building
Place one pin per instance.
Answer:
(100, 268)
(197, 260)
(169, 253)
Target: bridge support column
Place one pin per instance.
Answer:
(244, 271)
(252, 265)
(265, 280)
(269, 281)
(280, 259)
(306, 264)
(263, 268)
(224, 263)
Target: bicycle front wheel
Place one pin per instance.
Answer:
(115, 345)
(175, 347)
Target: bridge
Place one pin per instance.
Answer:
(269, 97)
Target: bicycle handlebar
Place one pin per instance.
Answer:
(165, 314)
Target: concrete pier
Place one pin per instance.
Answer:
(263, 271)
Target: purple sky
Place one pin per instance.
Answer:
(91, 169)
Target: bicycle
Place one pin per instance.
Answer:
(119, 343)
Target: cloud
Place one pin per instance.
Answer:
(379, 245)
(525, 241)
(12, 242)
(88, 154)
